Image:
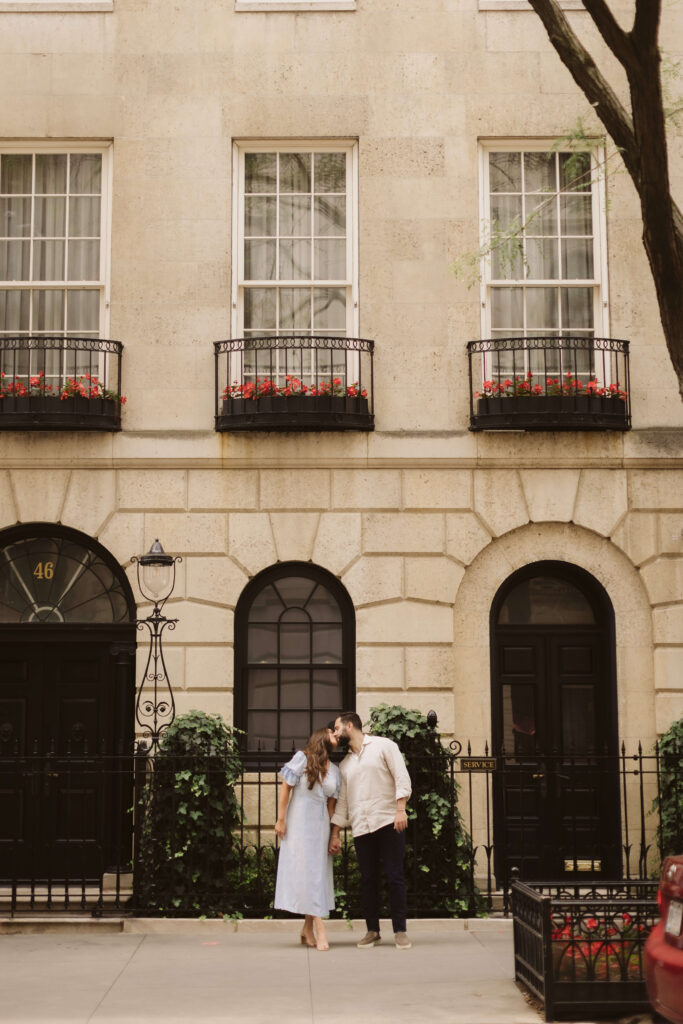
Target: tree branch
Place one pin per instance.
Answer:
(640, 135)
(610, 30)
(585, 73)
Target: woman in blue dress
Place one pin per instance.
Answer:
(308, 794)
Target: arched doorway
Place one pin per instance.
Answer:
(67, 697)
(294, 657)
(554, 717)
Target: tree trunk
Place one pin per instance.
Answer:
(641, 139)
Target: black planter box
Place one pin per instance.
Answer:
(554, 966)
(297, 413)
(47, 412)
(550, 412)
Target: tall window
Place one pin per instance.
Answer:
(294, 656)
(52, 224)
(546, 279)
(295, 240)
(53, 251)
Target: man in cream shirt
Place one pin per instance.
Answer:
(375, 787)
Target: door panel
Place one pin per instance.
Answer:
(78, 734)
(20, 688)
(555, 804)
(57, 787)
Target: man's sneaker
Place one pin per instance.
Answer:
(369, 940)
(402, 941)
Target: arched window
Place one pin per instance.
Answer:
(52, 574)
(294, 656)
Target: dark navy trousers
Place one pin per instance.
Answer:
(385, 846)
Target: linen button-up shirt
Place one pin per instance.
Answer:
(371, 783)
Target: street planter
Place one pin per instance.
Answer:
(295, 412)
(49, 412)
(579, 948)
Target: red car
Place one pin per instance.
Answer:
(664, 946)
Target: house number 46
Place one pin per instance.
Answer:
(44, 570)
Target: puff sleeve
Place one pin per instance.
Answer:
(294, 769)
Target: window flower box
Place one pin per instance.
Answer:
(38, 391)
(309, 400)
(575, 384)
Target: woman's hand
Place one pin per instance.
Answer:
(280, 828)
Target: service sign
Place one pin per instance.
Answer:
(478, 764)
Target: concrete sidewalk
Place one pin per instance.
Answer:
(458, 972)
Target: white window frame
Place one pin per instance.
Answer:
(599, 282)
(55, 6)
(103, 284)
(348, 146)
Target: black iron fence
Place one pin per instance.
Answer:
(86, 833)
(295, 382)
(579, 948)
(560, 382)
(56, 382)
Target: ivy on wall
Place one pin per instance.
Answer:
(189, 854)
(670, 798)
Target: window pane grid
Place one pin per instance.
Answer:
(295, 258)
(50, 243)
(542, 283)
(293, 684)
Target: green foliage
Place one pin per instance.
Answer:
(347, 883)
(188, 856)
(670, 799)
(251, 880)
(439, 856)
(505, 240)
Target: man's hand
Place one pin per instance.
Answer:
(401, 821)
(334, 846)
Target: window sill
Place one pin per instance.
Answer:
(54, 6)
(295, 5)
(523, 5)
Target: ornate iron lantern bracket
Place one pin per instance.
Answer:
(155, 704)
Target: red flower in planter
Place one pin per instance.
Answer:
(293, 386)
(565, 386)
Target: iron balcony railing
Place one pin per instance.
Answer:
(297, 382)
(549, 383)
(53, 382)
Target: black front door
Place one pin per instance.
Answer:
(59, 780)
(556, 796)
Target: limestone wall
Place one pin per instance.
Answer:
(421, 520)
(418, 84)
(422, 553)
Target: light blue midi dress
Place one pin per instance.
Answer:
(304, 872)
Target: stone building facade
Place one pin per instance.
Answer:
(421, 520)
